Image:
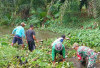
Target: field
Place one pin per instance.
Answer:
(78, 20)
(16, 57)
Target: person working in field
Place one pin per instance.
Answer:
(61, 39)
(82, 3)
(19, 33)
(85, 53)
(58, 47)
(30, 36)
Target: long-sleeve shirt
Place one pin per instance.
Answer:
(19, 31)
(84, 52)
(54, 51)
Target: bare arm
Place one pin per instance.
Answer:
(35, 38)
(26, 36)
(26, 39)
(67, 38)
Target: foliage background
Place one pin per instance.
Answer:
(54, 15)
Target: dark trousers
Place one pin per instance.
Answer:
(59, 53)
(84, 63)
(82, 3)
(31, 45)
(17, 39)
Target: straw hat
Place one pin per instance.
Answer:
(23, 23)
(75, 45)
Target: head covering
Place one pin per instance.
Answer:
(58, 46)
(75, 45)
(31, 25)
(63, 36)
(23, 23)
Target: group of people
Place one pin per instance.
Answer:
(83, 53)
(19, 34)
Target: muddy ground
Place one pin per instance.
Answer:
(77, 63)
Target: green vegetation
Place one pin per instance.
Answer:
(49, 15)
(41, 57)
(82, 33)
(46, 12)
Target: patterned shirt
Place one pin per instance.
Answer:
(84, 51)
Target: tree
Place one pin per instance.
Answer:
(94, 8)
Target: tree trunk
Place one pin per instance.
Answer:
(25, 13)
(63, 9)
(48, 12)
(43, 22)
(92, 8)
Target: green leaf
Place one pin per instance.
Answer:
(43, 64)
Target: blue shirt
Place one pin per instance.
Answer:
(61, 40)
(19, 31)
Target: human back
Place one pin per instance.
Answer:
(19, 30)
(18, 33)
(54, 47)
(30, 34)
(58, 40)
(85, 51)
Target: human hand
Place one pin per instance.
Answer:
(53, 62)
(12, 44)
(63, 60)
(23, 46)
(37, 41)
(67, 38)
(12, 34)
(26, 41)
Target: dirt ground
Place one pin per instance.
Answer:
(77, 63)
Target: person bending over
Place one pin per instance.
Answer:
(19, 33)
(58, 47)
(85, 53)
(61, 39)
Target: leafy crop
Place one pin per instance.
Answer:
(17, 57)
(41, 56)
(86, 37)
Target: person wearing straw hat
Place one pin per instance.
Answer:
(58, 47)
(85, 53)
(19, 32)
